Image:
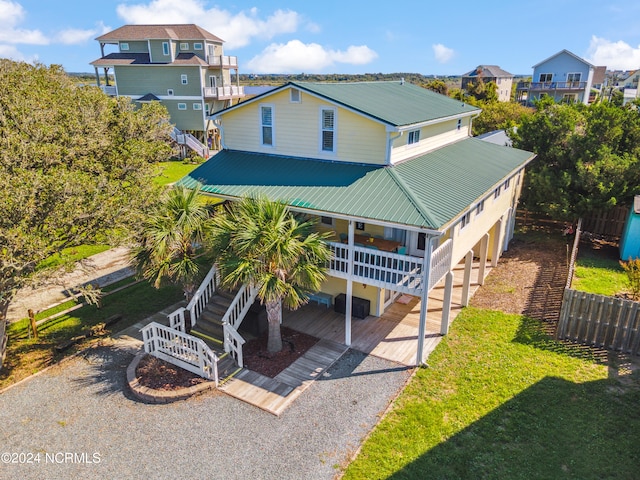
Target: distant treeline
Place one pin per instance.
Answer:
(279, 79)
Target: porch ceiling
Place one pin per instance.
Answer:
(426, 192)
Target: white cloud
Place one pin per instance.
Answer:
(614, 55)
(295, 56)
(74, 36)
(11, 15)
(443, 54)
(237, 30)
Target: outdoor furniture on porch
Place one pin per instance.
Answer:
(380, 243)
(359, 306)
(321, 298)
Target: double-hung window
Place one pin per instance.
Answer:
(546, 77)
(165, 48)
(183, 79)
(266, 123)
(327, 124)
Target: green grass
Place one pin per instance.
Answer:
(602, 276)
(71, 255)
(502, 400)
(172, 171)
(26, 356)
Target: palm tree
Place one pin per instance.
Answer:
(170, 240)
(261, 243)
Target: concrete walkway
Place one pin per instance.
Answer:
(102, 269)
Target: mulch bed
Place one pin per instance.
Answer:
(155, 373)
(294, 345)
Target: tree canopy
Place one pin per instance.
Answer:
(75, 164)
(588, 157)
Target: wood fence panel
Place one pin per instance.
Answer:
(600, 321)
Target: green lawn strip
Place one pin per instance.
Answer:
(26, 356)
(71, 255)
(172, 171)
(602, 276)
(502, 400)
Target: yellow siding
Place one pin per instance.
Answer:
(431, 138)
(336, 286)
(296, 131)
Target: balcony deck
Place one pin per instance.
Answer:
(394, 335)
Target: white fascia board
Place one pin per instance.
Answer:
(413, 126)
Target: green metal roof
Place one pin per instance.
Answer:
(428, 191)
(396, 103)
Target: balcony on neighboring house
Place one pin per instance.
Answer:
(224, 61)
(541, 86)
(224, 93)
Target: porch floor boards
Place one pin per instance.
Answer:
(394, 335)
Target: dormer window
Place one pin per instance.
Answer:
(414, 137)
(124, 46)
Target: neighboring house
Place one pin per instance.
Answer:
(565, 77)
(391, 169)
(491, 73)
(182, 66)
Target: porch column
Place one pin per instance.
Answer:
(349, 292)
(484, 250)
(424, 300)
(495, 255)
(466, 282)
(446, 303)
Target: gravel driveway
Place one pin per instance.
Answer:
(78, 421)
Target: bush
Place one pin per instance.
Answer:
(632, 269)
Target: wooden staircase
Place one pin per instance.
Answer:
(209, 328)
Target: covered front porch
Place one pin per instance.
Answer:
(394, 335)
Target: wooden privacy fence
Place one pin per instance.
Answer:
(600, 321)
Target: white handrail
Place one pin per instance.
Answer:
(240, 306)
(181, 349)
(233, 342)
(440, 262)
(204, 292)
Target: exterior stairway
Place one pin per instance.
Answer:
(209, 328)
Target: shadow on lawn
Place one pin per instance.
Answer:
(553, 429)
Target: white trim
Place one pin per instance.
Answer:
(184, 79)
(333, 129)
(263, 125)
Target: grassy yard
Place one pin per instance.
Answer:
(71, 255)
(26, 356)
(502, 400)
(600, 275)
(173, 170)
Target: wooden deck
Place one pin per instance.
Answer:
(276, 394)
(394, 335)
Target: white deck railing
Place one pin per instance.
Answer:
(231, 321)
(180, 349)
(222, 93)
(400, 273)
(110, 90)
(230, 61)
(177, 319)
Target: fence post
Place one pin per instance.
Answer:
(32, 320)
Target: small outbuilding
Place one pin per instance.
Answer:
(630, 240)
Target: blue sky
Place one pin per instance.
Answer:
(347, 36)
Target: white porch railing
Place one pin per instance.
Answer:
(180, 349)
(224, 93)
(400, 273)
(110, 90)
(231, 321)
(177, 319)
(440, 263)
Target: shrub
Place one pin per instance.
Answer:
(632, 269)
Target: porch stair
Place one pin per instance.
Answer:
(209, 328)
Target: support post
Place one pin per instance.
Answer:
(424, 300)
(446, 303)
(495, 255)
(466, 282)
(349, 292)
(484, 250)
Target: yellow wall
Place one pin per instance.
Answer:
(296, 130)
(431, 137)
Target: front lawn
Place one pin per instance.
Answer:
(173, 170)
(25, 356)
(502, 400)
(600, 275)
